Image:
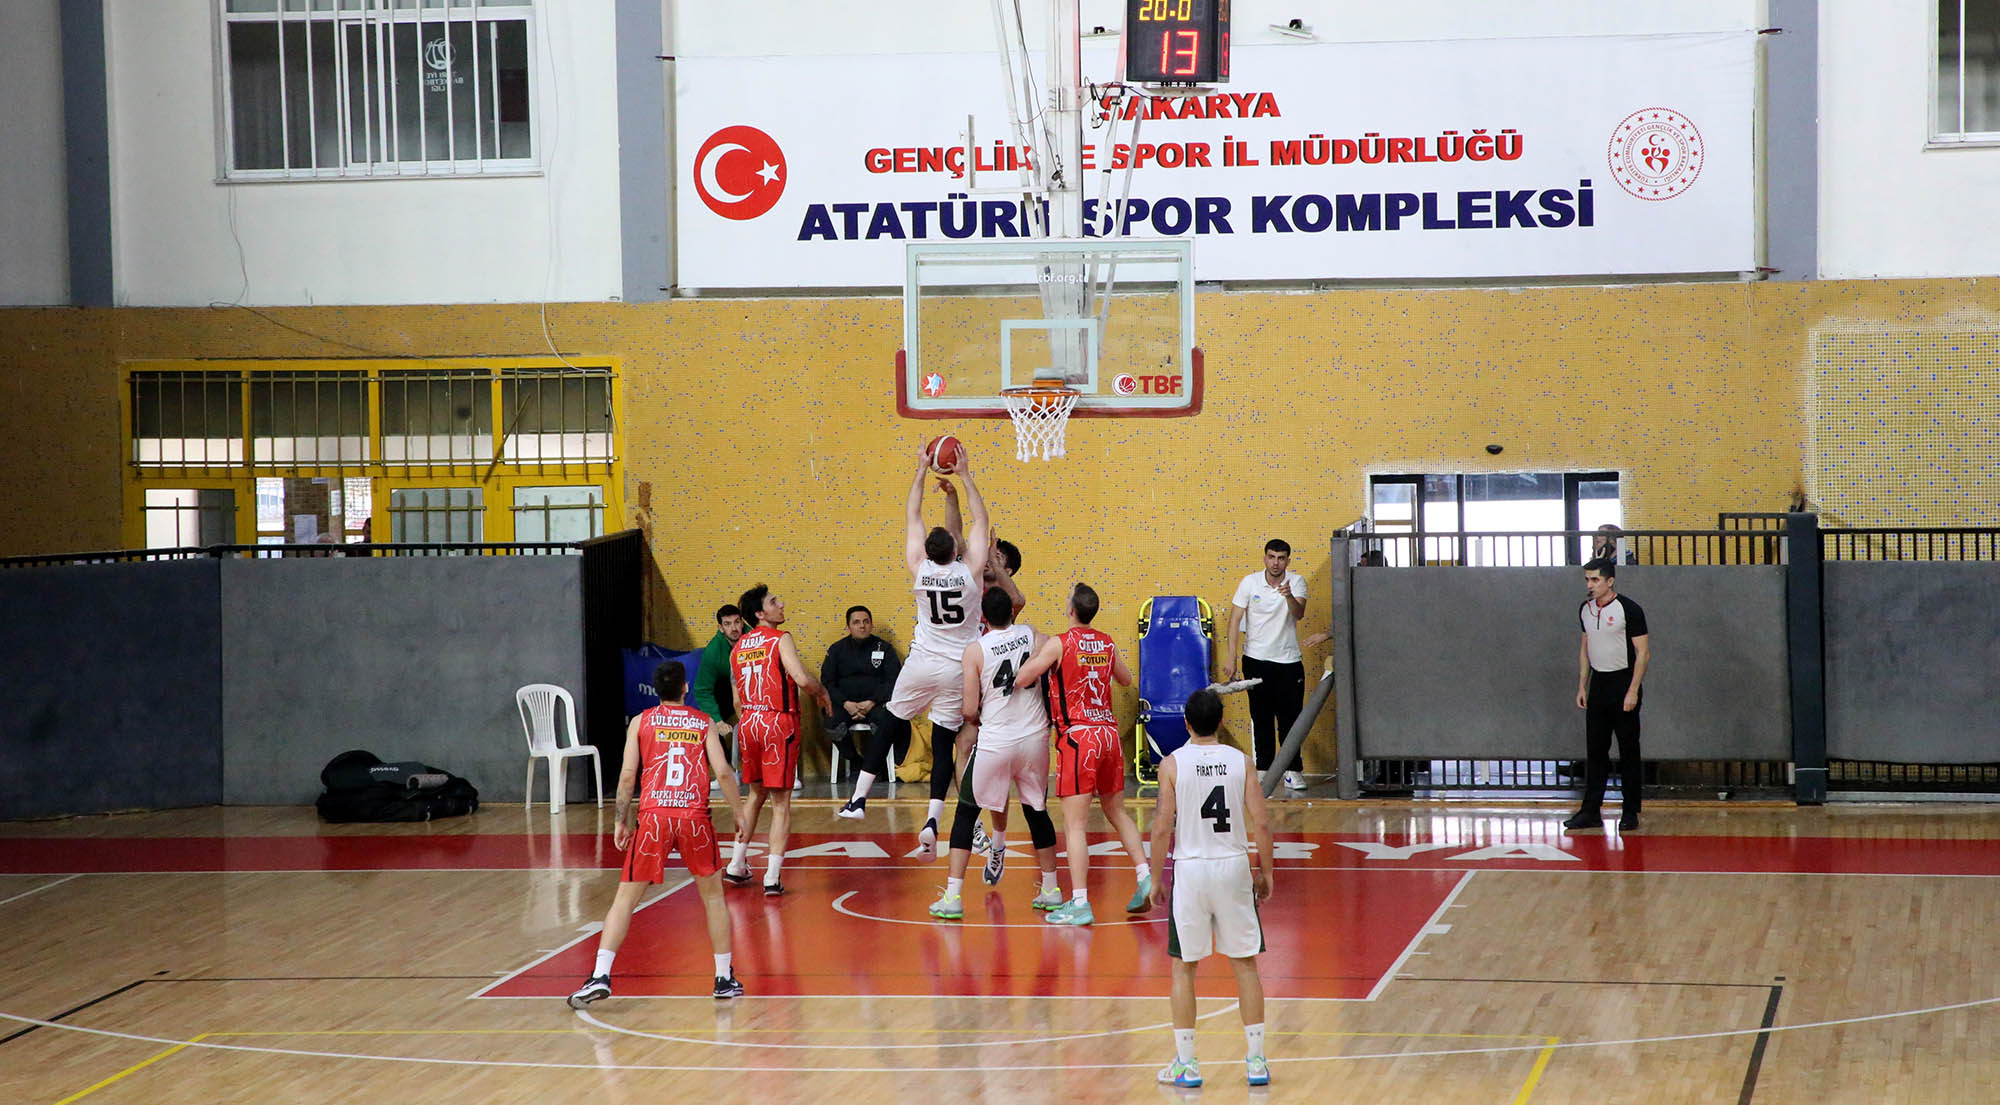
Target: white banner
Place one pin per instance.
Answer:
(1579, 156)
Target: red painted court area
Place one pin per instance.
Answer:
(865, 929)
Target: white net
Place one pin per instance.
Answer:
(1040, 415)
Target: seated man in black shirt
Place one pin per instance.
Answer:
(860, 674)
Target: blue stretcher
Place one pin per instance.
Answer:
(1176, 643)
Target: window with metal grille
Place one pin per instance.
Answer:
(437, 416)
(183, 517)
(338, 88)
(423, 515)
(318, 419)
(187, 419)
(1968, 71)
(565, 513)
(556, 415)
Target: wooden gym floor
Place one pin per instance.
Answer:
(1418, 952)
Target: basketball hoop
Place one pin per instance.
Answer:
(1040, 411)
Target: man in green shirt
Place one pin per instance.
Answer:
(713, 695)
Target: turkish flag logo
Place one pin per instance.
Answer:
(740, 172)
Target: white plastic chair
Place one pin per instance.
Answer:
(540, 703)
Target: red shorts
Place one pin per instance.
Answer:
(1089, 761)
(770, 748)
(661, 834)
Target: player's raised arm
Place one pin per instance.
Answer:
(1260, 828)
(954, 519)
(1164, 817)
(979, 540)
(913, 517)
(1047, 655)
(1119, 671)
(788, 654)
(625, 814)
(718, 766)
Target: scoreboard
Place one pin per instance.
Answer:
(1176, 41)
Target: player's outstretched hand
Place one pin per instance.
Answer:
(947, 488)
(1260, 884)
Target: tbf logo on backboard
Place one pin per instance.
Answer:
(740, 172)
(1655, 154)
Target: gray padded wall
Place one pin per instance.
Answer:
(1472, 663)
(412, 658)
(1911, 654)
(111, 676)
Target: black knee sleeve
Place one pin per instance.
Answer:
(1041, 827)
(963, 821)
(944, 750)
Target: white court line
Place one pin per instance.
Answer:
(1437, 916)
(1436, 1053)
(941, 922)
(587, 1018)
(1565, 869)
(39, 889)
(592, 931)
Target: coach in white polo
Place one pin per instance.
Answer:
(1264, 619)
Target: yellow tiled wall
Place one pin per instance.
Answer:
(766, 432)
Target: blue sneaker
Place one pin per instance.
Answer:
(1142, 899)
(1258, 1070)
(1071, 912)
(1178, 1073)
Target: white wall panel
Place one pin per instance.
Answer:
(177, 231)
(33, 238)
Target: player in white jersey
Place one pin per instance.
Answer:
(1209, 795)
(1010, 721)
(948, 592)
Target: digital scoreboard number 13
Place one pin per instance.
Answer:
(1176, 41)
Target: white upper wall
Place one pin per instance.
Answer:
(715, 28)
(1890, 207)
(34, 239)
(176, 230)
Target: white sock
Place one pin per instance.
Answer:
(862, 782)
(603, 968)
(1049, 882)
(1082, 896)
(1144, 869)
(1184, 1044)
(1253, 1036)
(999, 842)
(723, 969)
(936, 810)
(951, 887)
(771, 869)
(736, 850)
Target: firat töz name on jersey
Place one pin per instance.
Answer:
(1211, 769)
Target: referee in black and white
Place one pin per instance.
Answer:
(1611, 664)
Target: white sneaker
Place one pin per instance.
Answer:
(980, 841)
(854, 810)
(927, 842)
(1294, 781)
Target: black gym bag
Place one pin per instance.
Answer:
(360, 787)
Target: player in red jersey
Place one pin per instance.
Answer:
(669, 752)
(768, 674)
(1082, 663)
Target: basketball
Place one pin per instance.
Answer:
(945, 452)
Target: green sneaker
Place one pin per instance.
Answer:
(1178, 1073)
(1258, 1070)
(1048, 899)
(1071, 913)
(949, 907)
(1142, 899)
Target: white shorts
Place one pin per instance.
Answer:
(934, 682)
(1023, 763)
(1214, 909)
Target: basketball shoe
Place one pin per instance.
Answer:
(1071, 912)
(1178, 1073)
(927, 841)
(995, 860)
(948, 906)
(1258, 1070)
(1142, 898)
(854, 810)
(1048, 899)
(980, 841)
(734, 877)
(728, 987)
(596, 989)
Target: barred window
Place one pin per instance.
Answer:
(319, 88)
(1968, 71)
